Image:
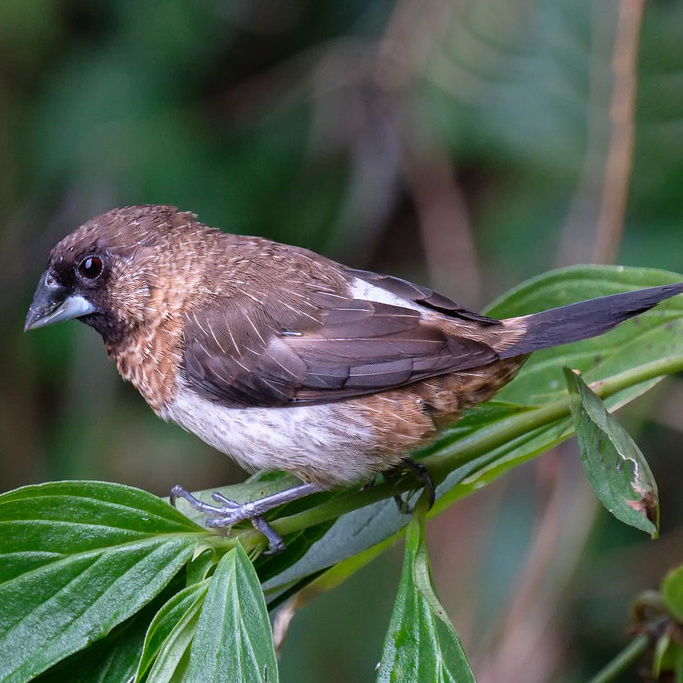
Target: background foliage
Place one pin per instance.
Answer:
(466, 145)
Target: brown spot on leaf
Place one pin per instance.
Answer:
(647, 506)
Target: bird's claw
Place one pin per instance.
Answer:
(229, 513)
(420, 473)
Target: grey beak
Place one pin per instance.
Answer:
(52, 303)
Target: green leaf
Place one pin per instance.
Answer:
(421, 644)
(667, 657)
(660, 655)
(201, 566)
(615, 466)
(113, 658)
(170, 634)
(672, 591)
(234, 640)
(76, 559)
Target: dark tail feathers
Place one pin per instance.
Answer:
(586, 319)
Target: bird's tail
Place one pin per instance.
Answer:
(582, 320)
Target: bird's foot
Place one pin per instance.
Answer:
(230, 512)
(233, 512)
(420, 473)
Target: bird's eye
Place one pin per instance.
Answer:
(90, 267)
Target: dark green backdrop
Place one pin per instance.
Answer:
(461, 144)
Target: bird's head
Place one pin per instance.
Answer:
(107, 271)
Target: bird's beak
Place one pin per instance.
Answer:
(52, 303)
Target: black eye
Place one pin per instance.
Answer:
(90, 267)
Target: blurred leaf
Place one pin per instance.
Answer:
(234, 640)
(421, 643)
(78, 559)
(672, 591)
(534, 69)
(28, 32)
(667, 657)
(660, 656)
(615, 466)
(170, 634)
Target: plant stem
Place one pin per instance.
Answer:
(622, 661)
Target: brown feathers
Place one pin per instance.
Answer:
(281, 357)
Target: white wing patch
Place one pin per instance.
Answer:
(361, 289)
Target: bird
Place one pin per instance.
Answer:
(284, 359)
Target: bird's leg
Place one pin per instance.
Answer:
(420, 473)
(275, 542)
(231, 512)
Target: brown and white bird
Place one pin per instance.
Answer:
(284, 359)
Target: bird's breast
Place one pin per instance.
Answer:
(319, 443)
(150, 360)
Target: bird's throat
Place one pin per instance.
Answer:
(149, 358)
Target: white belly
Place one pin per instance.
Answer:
(316, 443)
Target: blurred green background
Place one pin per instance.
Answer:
(464, 144)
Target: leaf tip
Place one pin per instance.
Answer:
(648, 506)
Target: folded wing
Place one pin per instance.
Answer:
(326, 347)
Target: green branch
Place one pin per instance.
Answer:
(622, 661)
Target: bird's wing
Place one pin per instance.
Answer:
(331, 347)
(404, 289)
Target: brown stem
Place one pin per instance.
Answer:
(622, 114)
